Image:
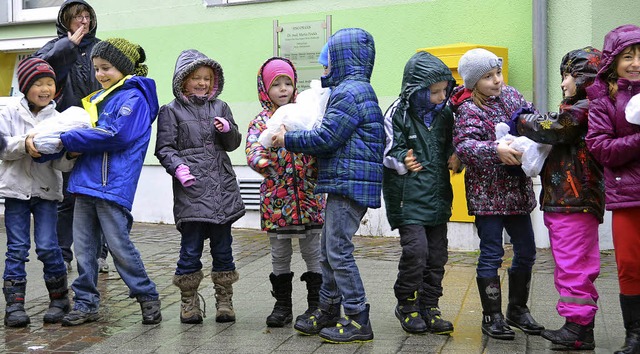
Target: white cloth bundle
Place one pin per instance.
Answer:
(632, 111)
(533, 154)
(47, 133)
(305, 114)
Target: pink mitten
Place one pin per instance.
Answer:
(225, 124)
(183, 174)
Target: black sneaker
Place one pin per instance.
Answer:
(318, 320)
(151, 312)
(350, 329)
(77, 317)
(410, 321)
(435, 323)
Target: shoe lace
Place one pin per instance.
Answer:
(192, 304)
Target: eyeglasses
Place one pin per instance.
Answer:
(79, 18)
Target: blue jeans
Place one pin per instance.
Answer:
(341, 280)
(92, 216)
(192, 245)
(17, 220)
(491, 250)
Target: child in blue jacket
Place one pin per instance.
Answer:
(106, 175)
(349, 145)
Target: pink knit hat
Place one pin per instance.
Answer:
(276, 68)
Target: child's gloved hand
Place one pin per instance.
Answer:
(222, 125)
(183, 174)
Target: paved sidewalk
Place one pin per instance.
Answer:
(120, 330)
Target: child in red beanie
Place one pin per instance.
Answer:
(31, 188)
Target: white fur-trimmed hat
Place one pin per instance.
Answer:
(632, 111)
(475, 63)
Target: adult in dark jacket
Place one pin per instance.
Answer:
(572, 199)
(615, 143)
(70, 57)
(419, 128)
(195, 132)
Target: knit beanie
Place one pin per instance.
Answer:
(475, 63)
(30, 70)
(323, 59)
(275, 68)
(127, 57)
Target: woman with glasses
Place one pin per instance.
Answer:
(70, 57)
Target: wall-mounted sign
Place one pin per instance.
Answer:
(301, 42)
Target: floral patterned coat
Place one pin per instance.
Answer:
(286, 193)
(491, 188)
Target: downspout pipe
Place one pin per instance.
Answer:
(540, 49)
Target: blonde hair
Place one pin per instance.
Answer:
(612, 71)
(479, 98)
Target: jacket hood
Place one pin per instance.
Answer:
(583, 65)
(351, 56)
(62, 29)
(614, 43)
(420, 72)
(190, 60)
(263, 92)
(148, 88)
(460, 94)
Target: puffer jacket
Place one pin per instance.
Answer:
(20, 176)
(490, 188)
(287, 192)
(571, 178)
(349, 144)
(113, 152)
(187, 135)
(423, 197)
(613, 141)
(75, 77)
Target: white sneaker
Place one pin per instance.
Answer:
(103, 266)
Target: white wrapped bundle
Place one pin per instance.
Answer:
(305, 114)
(47, 133)
(533, 154)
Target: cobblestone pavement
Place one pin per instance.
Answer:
(119, 329)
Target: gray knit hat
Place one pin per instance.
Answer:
(475, 63)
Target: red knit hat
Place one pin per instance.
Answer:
(30, 70)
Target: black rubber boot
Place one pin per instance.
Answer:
(630, 305)
(59, 296)
(517, 311)
(572, 335)
(493, 323)
(314, 281)
(14, 313)
(282, 310)
(325, 316)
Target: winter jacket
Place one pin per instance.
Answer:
(287, 192)
(490, 188)
(423, 197)
(113, 152)
(349, 144)
(20, 176)
(571, 178)
(75, 77)
(187, 136)
(613, 141)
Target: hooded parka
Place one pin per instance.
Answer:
(75, 77)
(571, 178)
(423, 197)
(287, 192)
(612, 140)
(187, 136)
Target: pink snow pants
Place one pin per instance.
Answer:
(575, 249)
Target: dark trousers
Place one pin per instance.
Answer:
(421, 267)
(194, 234)
(64, 227)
